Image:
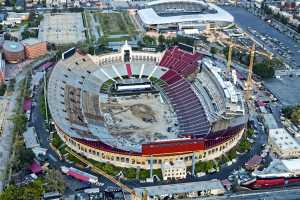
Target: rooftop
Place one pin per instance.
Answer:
(149, 16)
(279, 168)
(30, 138)
(12, 46)
(283, 139)
(30, 41)
(181, 188)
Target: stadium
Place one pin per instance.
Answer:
(140, 109)
(177, 15)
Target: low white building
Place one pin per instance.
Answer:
(283, 144)
(189, 190)
(174, 170)
(30, 138)
(280, 168)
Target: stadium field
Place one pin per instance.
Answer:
(115, 23)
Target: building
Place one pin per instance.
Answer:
(30, 138)
(34, 48)
(14, 18)
(174, 170)
(13, 51)
(280, 168)
(282, 144)
(195, 125)
(175, 15)
(182, 190)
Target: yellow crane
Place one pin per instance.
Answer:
(232, 45)
(252, 52)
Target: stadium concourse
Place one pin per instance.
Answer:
(140, 109)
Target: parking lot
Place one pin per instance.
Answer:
(273, 40)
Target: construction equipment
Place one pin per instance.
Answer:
(248, 85)
(232, 45)
(252, 51)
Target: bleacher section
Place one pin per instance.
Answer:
(72, 102)
(180, 61)
(213, 91)
(190, 113)
(91, 108)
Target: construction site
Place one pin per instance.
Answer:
(139, 118)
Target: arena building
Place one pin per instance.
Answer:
(142, 109)
(175, 15)
(13, 51)
(34, 48)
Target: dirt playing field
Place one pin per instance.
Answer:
(138, 119)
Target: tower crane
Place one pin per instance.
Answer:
(252, 51)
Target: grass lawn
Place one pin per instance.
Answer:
(115, 23)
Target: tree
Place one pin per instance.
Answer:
(55, 181)
(129, 173)
(295, 117)
(28, 34)
(148, 40)
(161, 39)
(264, 69)
(32, 191)
(244, 145)
(213, 51)
(19, 121)
(2, 89)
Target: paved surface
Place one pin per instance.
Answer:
(62, 28)
(245, 19)
(286, 89)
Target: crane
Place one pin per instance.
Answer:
(232, 45)
(250, 72)
(252, 51)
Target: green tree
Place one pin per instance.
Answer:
(148, 40)
(213, 51)
(129, 173)
(264, 69)
(295, 116)
(244, 145)
(32, 191)
(55, 181)
(2, 89)
(19, 121)
(161, 39)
